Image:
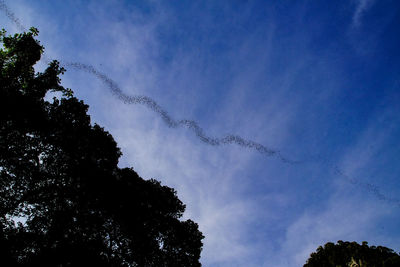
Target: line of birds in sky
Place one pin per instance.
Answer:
(194, 126)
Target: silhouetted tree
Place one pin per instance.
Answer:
(352, 254)
(63, 199)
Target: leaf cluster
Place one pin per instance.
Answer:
(352, 254)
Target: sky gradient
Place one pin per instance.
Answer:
(316, 82)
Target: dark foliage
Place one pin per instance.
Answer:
(63, 199)
(352, 254)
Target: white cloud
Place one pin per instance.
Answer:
(362, 160)
(206, 180)
(210, 179)
(352, 213)
(342, 219)
(362, 7)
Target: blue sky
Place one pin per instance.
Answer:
(318, 81)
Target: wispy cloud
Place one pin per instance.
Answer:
(253, 209)
(360, 161)
(362, 6)
(337, 221)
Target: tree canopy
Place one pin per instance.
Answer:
(352, 254)
(63, 199)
